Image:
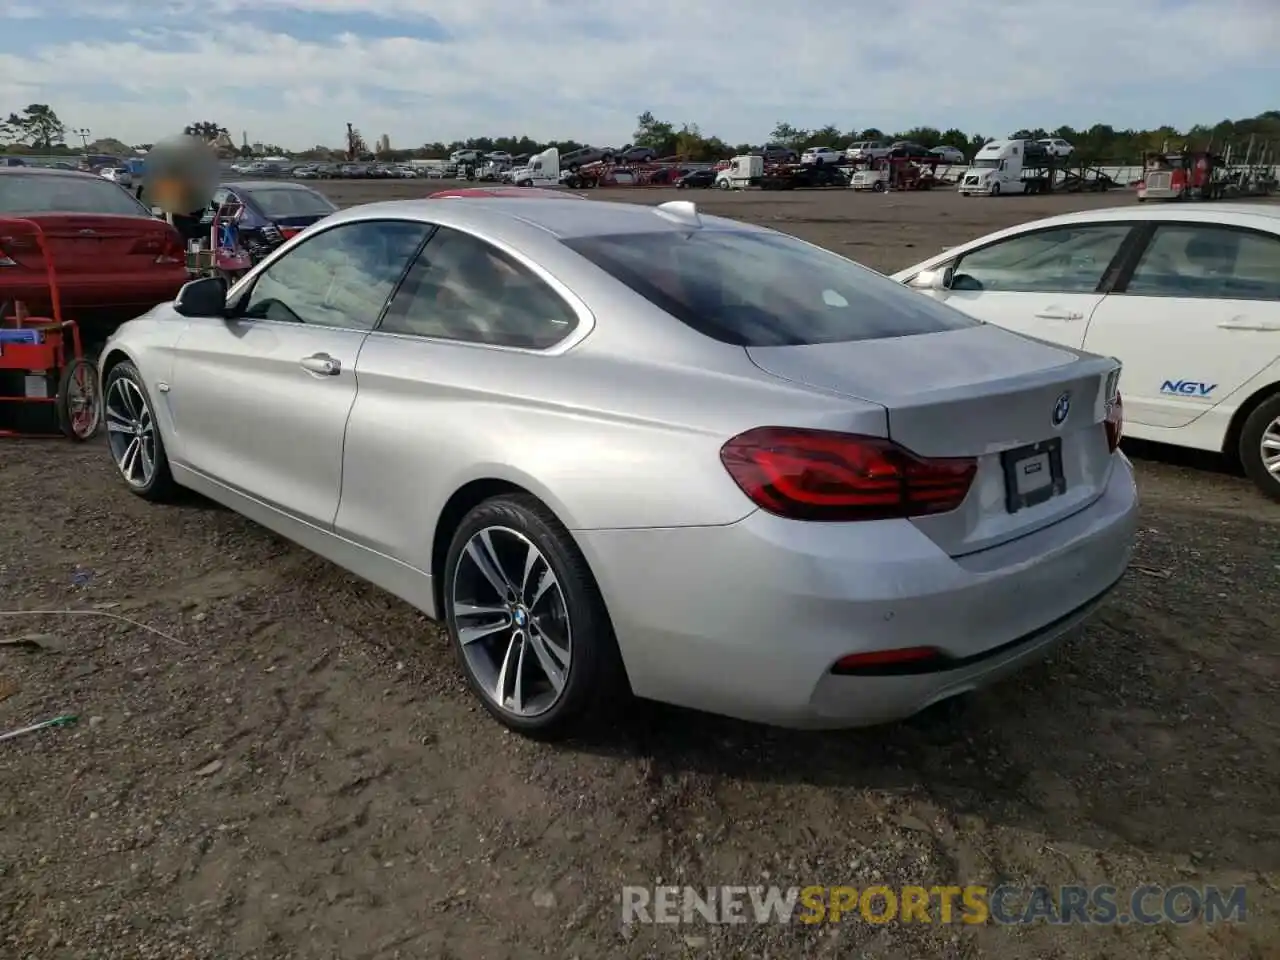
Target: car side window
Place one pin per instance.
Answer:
(1194, 260)
(1070, 259)
(462, 288)
(340, 277)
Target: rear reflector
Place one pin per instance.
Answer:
(827, 476)
(882, 662)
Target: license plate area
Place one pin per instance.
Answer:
(1033, 474)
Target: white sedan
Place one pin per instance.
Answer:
(1186, 297)
(824, 155)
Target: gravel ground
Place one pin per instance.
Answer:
(274, 760)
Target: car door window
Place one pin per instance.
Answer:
(461, 288)
(1070, 259)
(341, 277)
(1194, 260)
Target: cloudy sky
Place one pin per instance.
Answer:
(294, 71)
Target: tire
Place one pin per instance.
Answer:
(1262, 426)
(124, 386)
(79, 417)
(995, 189)
(578, 640)
(724, 184)
(878, 186)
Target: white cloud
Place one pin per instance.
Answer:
(572, 70)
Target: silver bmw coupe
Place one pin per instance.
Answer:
(620, 449)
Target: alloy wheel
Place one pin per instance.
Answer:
(1271, 448)
(131, 432)
(512, 622)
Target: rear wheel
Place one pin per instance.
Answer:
(133, 436)
(527, 620)
(1260, 447)
(79, 400)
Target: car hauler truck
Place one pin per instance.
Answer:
(753, 171)
(543, 170)
(1007, 166)
(1024, 166)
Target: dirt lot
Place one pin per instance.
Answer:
(287, 764)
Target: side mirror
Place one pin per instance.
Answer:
(206, 297)
(934, 279)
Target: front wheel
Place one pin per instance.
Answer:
(995, 189)
(133, 436)
(1260, 447)
(724, 184)
(527, 620)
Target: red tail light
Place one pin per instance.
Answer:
(167, 249)
(8, 247)
(1115, 422)
(290, 232)
(821, 475)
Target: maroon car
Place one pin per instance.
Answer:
(114, 260)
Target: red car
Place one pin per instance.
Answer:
(505, 192)
(114, 260)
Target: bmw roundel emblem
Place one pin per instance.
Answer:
(1061, 409)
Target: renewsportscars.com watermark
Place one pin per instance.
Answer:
(971, 904)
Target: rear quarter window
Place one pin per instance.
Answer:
(764, 289)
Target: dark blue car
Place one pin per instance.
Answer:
(268, 212)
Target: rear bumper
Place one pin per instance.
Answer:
(748, 619)
(98, 303)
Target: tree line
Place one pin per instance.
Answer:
(37, 129)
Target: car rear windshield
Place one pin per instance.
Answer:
(764, 289)
(279, 202)
(44, 193)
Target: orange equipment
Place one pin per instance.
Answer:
(45, 351)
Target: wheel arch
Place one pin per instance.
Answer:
(113, 358)
(1231, 442)
(470, 495)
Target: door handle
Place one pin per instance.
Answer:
(1051, 314)
(1243, 323)
(321, 364)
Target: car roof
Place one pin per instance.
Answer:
(252, 185)
(1229, 213)
(520, 193)
(1265, 216)
(561, 217)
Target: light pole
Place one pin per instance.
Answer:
(83, 134)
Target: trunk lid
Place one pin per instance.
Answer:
(978, 392)
(82, 243)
